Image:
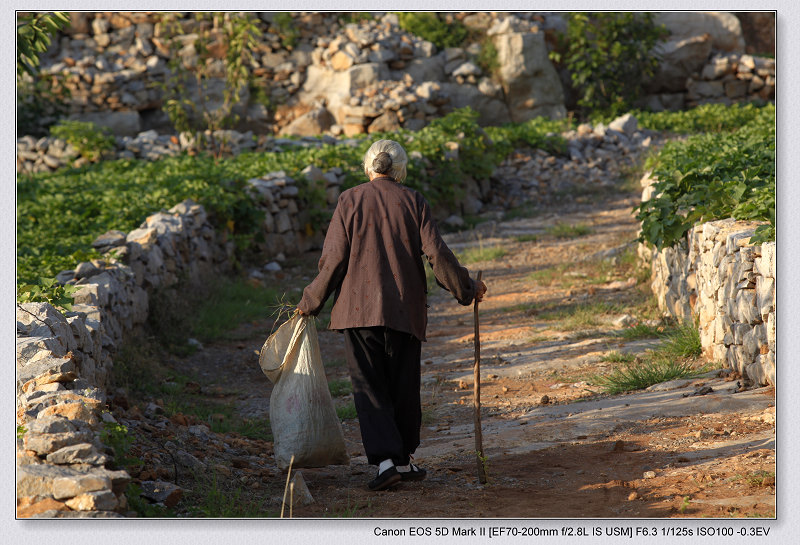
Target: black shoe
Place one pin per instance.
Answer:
(414, 474)
(385, 480)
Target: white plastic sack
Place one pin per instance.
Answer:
(301, 411)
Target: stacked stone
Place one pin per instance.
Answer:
(728, 285)
(64, 360)
(730, 78)
(597, 156)
(736, 297)
(113, 64)
(60, 458)
(44, 154)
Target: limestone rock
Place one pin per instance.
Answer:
(531, 84)
(626, 124)
(103, 500)
(26, 509)
(44, 443)
(312, 123)
(723, 28)
(680, 58)
(82, 453)
(162, 492)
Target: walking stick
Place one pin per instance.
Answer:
(476, 398)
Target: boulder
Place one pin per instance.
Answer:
(388, 122)
(426, 69)
(723, 28)
(680, 58)
(491, 110)
(336, 88)
(531, 84)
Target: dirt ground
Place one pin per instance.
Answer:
(555, 445)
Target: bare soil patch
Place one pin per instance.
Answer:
(556, 446)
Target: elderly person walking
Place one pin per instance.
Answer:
(371, 259)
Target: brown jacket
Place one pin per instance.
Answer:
(372, 258)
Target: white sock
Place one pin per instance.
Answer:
(386, 464)
(404, 469)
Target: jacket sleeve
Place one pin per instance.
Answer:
(448, 271)
(332, 266)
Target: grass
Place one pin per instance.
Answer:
(212, 501)
(350, 510)
(481, 253)
(347, 412)
(618, 357)
(579, 316)
(594, 272)
(565, 230)
(639, 376)
(218, 415)
(232, 302)
(674, 358)
(137, 368)
(209, 311)
(641, 331)
(759, 478)
(549, 275)
(340, 388)
(525, 210)
(334, 363)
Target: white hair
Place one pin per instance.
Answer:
(395, 151)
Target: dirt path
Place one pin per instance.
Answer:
(555, 445)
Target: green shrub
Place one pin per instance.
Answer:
(287, 29)
(60, 213)
(609, 57)
(89, 140)
(431, 27)
(713, 176)
(703, 118)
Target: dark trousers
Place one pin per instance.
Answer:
(385, 371)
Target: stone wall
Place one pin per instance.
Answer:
(728, 285)
(373, 76)
(340, 79)
(64, 361)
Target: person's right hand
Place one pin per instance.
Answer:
(480, 290)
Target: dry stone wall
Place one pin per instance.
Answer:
(345, 79)
(64, 361)
(729, 286)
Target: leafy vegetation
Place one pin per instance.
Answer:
(60, 213)
(188, 99)
(88, 139)
(347, 412)
(49, 291)
(340, 388)
(609, 56)
(703, 118)
(33, 38)
(431, 27)
(41, 98)
(713, 176)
